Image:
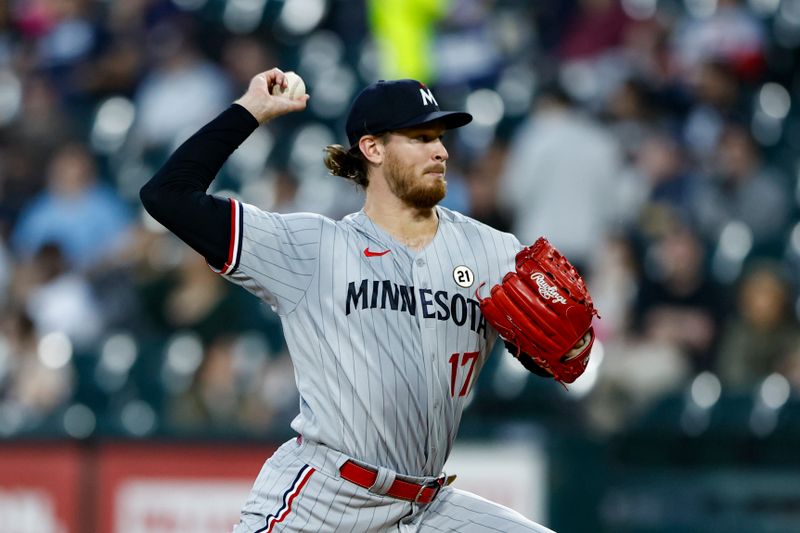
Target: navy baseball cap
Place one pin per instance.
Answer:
(388, 105)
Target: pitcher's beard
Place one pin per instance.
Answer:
(415, 191)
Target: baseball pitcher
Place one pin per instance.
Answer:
(383, 312)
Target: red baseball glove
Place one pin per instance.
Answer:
(544, 309)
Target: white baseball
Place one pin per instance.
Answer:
(295, 86)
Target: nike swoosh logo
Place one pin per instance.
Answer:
(370, 253)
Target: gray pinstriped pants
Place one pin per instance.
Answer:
(299, 490)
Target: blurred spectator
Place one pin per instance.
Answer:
(601, 48)
(638, 366)
(483, 182)
(285, 188)
(116, 71)
(614, 284)
(659, 186)
(40, 127)
(646, 51)
(57, 299)
(229, 392)
(44, 122)
(70, 35)
(119, 65)
(70, 42)
(678, 303)
(179, 74)
(550, 19)
(632, 112)
(244, 55)
(716, 92)
(635, 373)
(663, 164)
(404, 32)
(763, 334)
(82, 216)
(193, 297)
(742, 188)
(18, 183)
(725, 30)
(469, 42)
(596, 26)
(559, 179)
(215, 399)
(653, 332)
(32, 385)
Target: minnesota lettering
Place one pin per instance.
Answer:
(439, 305)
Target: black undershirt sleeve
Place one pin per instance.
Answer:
(176, 195)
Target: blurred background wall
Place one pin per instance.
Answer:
(655, 142)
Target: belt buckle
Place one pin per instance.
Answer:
(436, 485)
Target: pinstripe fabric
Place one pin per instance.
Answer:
(327, 503)
(386, 345)
(373, 338)
(458, 510)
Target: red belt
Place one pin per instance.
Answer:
(403, 490)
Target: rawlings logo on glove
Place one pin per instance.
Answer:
(544, 309)
(547, 291)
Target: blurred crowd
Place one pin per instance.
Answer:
(653, 141)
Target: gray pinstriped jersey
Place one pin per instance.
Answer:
(385, 345)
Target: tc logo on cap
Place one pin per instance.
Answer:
(427, 95)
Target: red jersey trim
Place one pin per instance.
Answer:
(235, 241)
